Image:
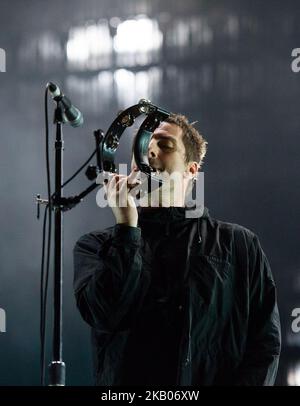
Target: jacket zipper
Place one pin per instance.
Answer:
(187, 303)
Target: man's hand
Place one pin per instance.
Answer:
(119, 198)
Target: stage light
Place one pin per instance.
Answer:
(89, 47)
(138, 35)
(293, 376)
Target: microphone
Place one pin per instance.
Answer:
(71, 113)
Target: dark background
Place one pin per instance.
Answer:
(226, 64)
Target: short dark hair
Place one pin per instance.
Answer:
(194, 142)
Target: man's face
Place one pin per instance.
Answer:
(166, 150)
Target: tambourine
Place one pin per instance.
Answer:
(155, 115)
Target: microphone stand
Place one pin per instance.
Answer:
(57, 368)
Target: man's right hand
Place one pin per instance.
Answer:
(122, 203)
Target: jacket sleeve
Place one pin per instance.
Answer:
(107, 277)
(260, 362)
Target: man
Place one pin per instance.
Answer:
(172, 299)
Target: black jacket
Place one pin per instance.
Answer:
(176, 300)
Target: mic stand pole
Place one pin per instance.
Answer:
(57, 368)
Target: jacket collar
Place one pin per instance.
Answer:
(171, 214)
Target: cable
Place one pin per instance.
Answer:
(42, 329)
(80, 169)
(45, 275)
